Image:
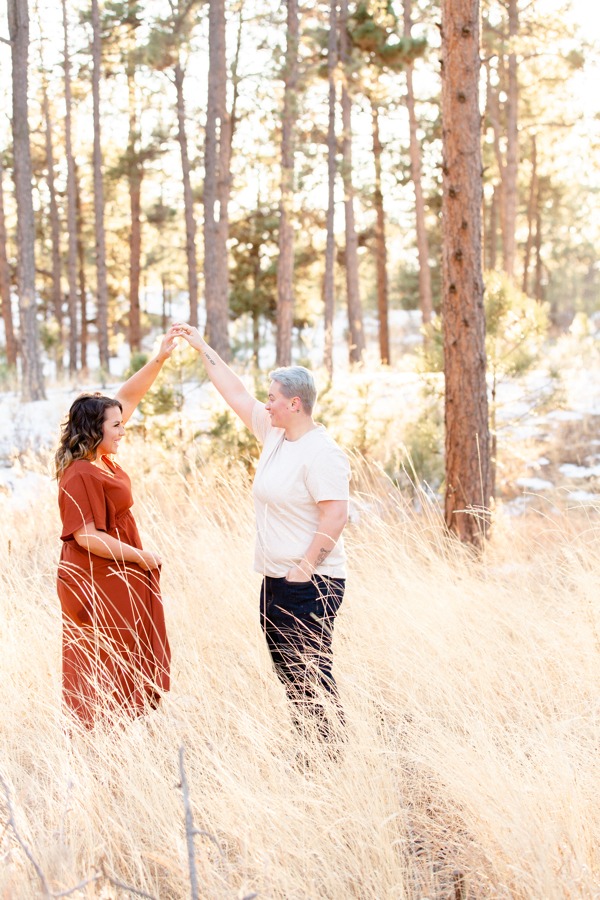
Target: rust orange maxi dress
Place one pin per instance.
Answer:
(116, 654)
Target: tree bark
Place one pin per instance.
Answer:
(216, 155)
(329, 277)
(135, 175)
(71, 204)
(164, 302)
(224, 179)
(285, 263)
(512, 148)
(538, 251)
(188, 199)
(32, 387)
(355, 320)
(493, 235)
(54, 233)
(530, 214)
(466, 403)
(82, 286)
(425, 293)
(380, 247)
(102, 285)
(5, 279)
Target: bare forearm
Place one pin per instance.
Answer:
(224, 379)
(140, 382)
(108, 547)
(325, 539)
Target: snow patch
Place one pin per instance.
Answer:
(570, 470)
(534, 484)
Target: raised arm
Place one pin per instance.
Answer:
(231, 388)
(130, 393)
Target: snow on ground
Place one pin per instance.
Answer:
(389, 394)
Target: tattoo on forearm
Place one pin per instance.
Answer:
(323, 554)
(210, 359)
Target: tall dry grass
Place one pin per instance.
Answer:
(472, 691)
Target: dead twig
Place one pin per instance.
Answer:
(79, 886)
(125, 887)
(191, 832)
(39, 872)
(19, 839)
(189, 828)
(210, 837)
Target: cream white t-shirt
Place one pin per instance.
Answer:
(291, 478)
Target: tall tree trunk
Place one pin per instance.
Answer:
(71, 204)
(285, 263)
(135, 174)
(54, 233)
(5, 279)
(425, 294)
(493, 114)
(329, 278)
(355, 321)
(512, 147)
(82, 287)
(164, 301)
(538, 251)
(32, 387)
(466, 403)
(188, 199)
(216, 183)
(530, 213)
(224, 179)
(102, 285)
(493, 235)
(380, 247)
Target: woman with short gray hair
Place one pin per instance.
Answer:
(301, 492)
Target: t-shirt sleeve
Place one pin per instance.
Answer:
(328, 477)
(261, 422)
(81, 501)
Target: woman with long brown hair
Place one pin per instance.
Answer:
(116, 654)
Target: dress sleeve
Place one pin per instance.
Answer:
(261, 423)
(328, 477)
(81, 501)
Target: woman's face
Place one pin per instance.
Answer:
(112, 431)
(280, 408)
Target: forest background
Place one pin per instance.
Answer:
(469, 679)
(230, 165)
(540, 180)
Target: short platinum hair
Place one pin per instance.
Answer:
(296, 381)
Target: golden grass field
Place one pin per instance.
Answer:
(472, 690)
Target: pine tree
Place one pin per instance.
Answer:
(425, 293)
(54, 230)
(374, 31)
(32, 382)
(329, 278)
(285, 266)
(355, 318)
(5, 279)
(216, 183)
(71, 201)
(466, 403)
(102, 285)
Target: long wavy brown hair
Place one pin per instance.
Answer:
(81, 432)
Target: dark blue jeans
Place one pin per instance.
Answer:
(298, 620)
